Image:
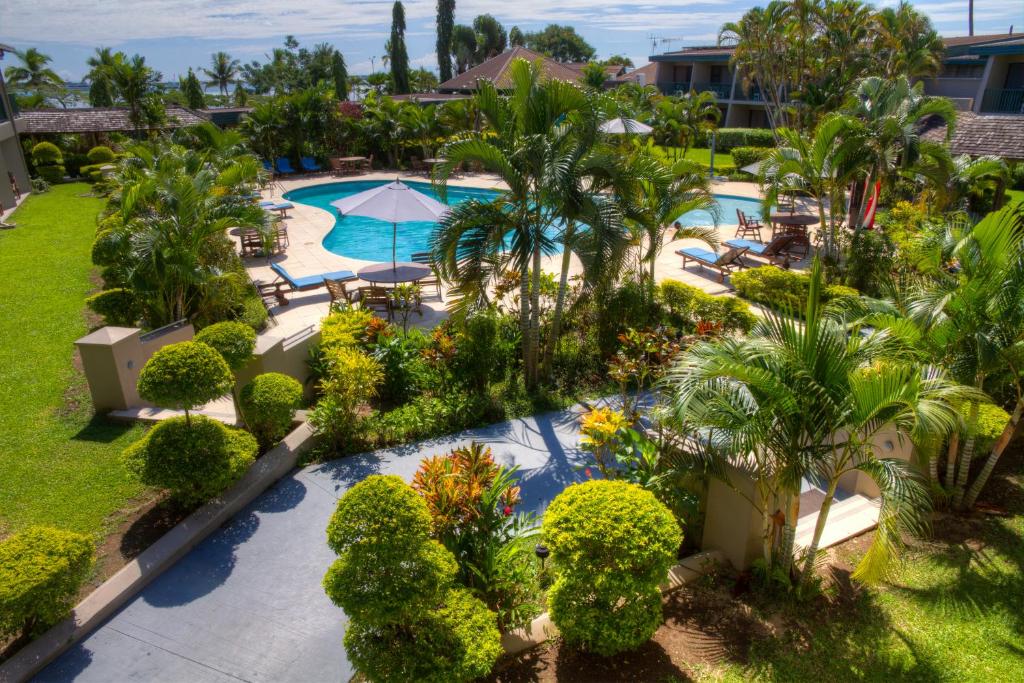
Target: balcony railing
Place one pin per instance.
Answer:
(722, 90)
(1007, 101)
(674, 87)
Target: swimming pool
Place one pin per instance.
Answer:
(370, 239)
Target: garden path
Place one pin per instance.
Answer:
(247, 604)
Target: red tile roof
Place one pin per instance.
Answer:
(95, 120)
(496, 70)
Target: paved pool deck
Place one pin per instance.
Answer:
(247, 605)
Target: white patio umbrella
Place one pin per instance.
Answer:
(395, 203)
(619, 126)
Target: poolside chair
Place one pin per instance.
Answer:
(432, 279)
(284, 167)
(376, 299)
(748, 226)
(268, 167)
(308, 282)
(339, 294)
(724, 263)
(272, 294)
(252, 243)
(367, 164)
(280, 207)
(281, 241)
(777, 252)
(309, 165)
(337, 168)
(416, 165)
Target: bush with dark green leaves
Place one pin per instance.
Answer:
(780, 289)
(195, 458)
(185, 375)
(268, 405)
(118, 306)
(100, 154)
(685, 306)
(41, 572)
(612, 543)
(395, 583)
(234, 341)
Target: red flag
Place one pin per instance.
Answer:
(872, 206)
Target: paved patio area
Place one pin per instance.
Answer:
(247, 604)
(306, 255)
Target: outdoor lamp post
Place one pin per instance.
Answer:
(542, 552)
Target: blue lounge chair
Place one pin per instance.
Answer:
(302, 284)
(280, 207)
(267, 166)
(309, 164)
(776, 252)
(724, 263)
(284, 167)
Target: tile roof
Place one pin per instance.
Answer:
(495, 70)
(714, 51)
(978, 135)
(95, 120)
(960, 41)
(647, 72)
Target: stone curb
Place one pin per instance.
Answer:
(542, 628)
(154, 560)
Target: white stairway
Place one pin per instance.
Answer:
(846, 519)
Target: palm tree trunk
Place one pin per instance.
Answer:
(819, 529)
(524, 317)
(534, 320)
(993, 457)
(968, 454)
(789, 532)
(933, 467)
(951, 453)
(556, 322)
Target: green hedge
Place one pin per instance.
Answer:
(782, 289)
(268, 405)
(687, 305)
(41, 572)
(52, 174)
(232, 339)
(727, 139)
(344, 328)
(118, 306)
(744, 156)
(991, 421)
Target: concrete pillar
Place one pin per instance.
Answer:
(732, 524)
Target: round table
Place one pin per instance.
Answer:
(798, 220)
(393, 273)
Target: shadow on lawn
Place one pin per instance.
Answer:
(102, 430)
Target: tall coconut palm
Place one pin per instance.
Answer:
(798, 399)
(762, 55)
(134, 82)
(101, 90)
(680, 120)
(222, 72)
(529, 151)
(32, 73)
(907, 43)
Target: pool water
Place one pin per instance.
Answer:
(369, 239)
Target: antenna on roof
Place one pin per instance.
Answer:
(662, 40)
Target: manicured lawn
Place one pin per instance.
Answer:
(58, 465)
(1016, 195)
(700, 155)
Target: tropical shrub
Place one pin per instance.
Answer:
(352, 379)
(482, 352)
(627, 306)
(52, 174)
(869, 261)
(687, 307)
(347, 327)
(100, 154)
(782, 289)
(74, 163)
(184, 375)
(268, 405)
(41, 571)
(48, 162)
(991, 421)
(612, 544)
(117, 306)
(233, 340)
(401, 362)
(727, 139)
(744, 156)
(395, 584)
(195, 458)
(472, 504)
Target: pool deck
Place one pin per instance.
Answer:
(306, 255)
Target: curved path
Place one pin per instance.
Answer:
(246, 604)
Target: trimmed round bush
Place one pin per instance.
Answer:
(47, 154)
(100, 154)
(51, 174)
(117, 306)
(234, 341)
(457, 642)
(612, 543)
(268, 405)
(185, 375)
(195, 459)
(41, 572)
(388, 569)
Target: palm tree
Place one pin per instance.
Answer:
(808, 398)
(682, 119)
(33, 72)
(222, 72)
(100, 87)
(529, 151)
(762, 55)
(907, 42)
(134, 82)
(954, 183)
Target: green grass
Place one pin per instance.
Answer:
(699, 154)
(1016, 196)
(58, 465)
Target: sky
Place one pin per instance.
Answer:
(176, 34)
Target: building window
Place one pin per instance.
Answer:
(1014, 76)
(962, 71)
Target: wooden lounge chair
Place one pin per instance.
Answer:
(376, 299)
(748, 226)
(724, 263)
(777, 251)
(340, 296)
(303, 284)
(432, 279)
(252, 243)
(272, 293)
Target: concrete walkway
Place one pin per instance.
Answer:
(247, 604)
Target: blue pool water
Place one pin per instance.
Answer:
(370, 239)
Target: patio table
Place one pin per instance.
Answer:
(351, 164)
(796, 224)
(393, 273)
